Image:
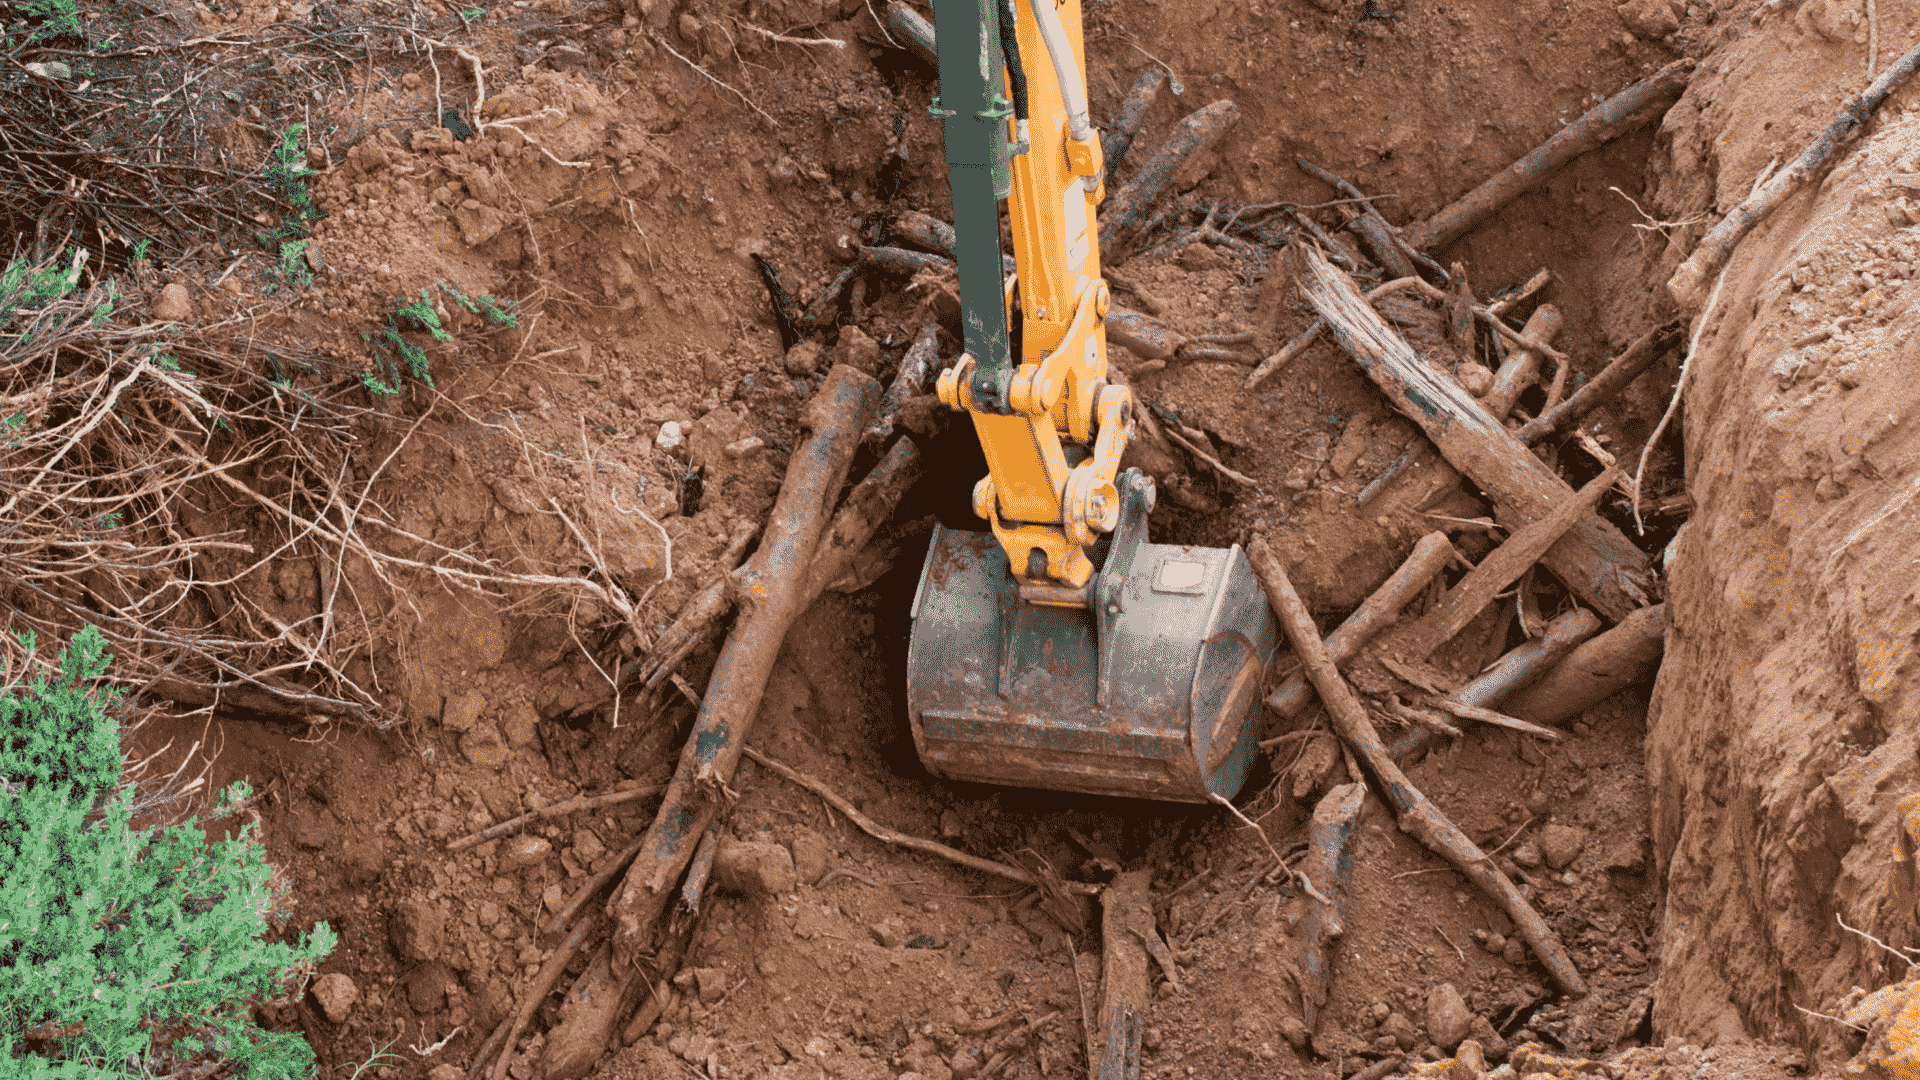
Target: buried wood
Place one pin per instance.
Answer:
(921, 358)
(1378, 237)
(1596, 670)
(1689, 283)
(1126, 209)
(1329, 865)
(1625, 111)
(1118, 138)
(899, 839)
(1430, 556)
(911, 30)
(1418, 817)
(772, 586)
(867, 506)
(1124, 904)
(509, 1029)
(1498, 570)
(1612, 379)
(1522, 367)
(1595, 559)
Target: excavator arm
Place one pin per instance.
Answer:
(1052, 427)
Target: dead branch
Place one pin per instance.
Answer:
(559, 809)
(1126, 904)
(1329, 862)
(1418, 817)
(503, 1037)
(912, 843)
(921, 358)
(1530, 661)
(773, 587)
(1129, 207)
(1522, 366)
(1430, 556)
(1379, 238)
(1620, 371)
(1612, 118)
(1596, 669)
(1598, 563)
(1118, 138)
(1713, 251)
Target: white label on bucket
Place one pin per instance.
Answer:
(1180, 575)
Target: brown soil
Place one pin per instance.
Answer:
(619, 196)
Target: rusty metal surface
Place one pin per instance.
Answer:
(1151, 693)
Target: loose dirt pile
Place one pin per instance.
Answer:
(642, 410)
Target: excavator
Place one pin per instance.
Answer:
(1060, 649)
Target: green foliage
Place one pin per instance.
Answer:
(25, 286)
(395, 356)
(287, 173)
(469, 16)
(49, 19)
(291, 270)
(108, 933)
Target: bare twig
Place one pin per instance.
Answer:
(559, 809)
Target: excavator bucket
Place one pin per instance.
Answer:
(1148, 687)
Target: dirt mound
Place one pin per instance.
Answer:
(1780, 746)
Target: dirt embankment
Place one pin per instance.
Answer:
(1781, 740)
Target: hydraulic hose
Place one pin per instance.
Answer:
(1016, 73)
(1066, 70)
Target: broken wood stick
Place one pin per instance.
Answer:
(924, 230)
(601, 879)
(1124, 997)
(899, 839)
(1514, 299)
(867, 506)
(509, 1029)
(1418, 817)
(1595, 559)
(1690, 281)
(1144, 336)
(1620, 371)
(559, 809)
(1625, 111)
(1527, 662)
(1329, 866)
(1130, 206)
(1379, 1070)
(1498, 570)
(1430, 556)
(1497, 719)
(1001, 1050)
(922, 357)
(1294, 348)
(1365, 222)
(786, 310)
(901, 261)
(1118, 139)
(665, 962)
(1522, 367)
(1597, 669)
(772, 585)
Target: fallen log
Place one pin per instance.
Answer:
(1328, 865)
(1130, 206)
(1123, 974)
(773, 585)
(1498, 570)
(1690, 281)
(1595, 560)
(1596, 670)
(1430, 556)
(1625, 111)
(1612, 379)
(1118, 139)
(1418, 817)
(1528, 662)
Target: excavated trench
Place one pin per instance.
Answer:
(1691, 856)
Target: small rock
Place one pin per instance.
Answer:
(1649, 20)
(434, 140)
(1483, 1033)
(803, 359)
(524, 852)
(447, 1072)
(1475, 378)
(889, 933)
(587, 846)
(1561, 844)
(488, 914)
(336, 994)
(950, 825)
(713, 984)
(418, 930)
(1384, 1045)
(1198, 257)
(1495, 944)
(1515, 953)
(856, 349)
(410, 81)
(965, 1064)
(518, 722)
(1294, 1030)
(754, 868)
(484, 747)
(669, 436)
(463, 710)
(810, 854)
(1447, 1016)
(173, 304)
(1527, 854)
(427, 987)
(1379, 1012)
(743, 447)
(1401, 1030)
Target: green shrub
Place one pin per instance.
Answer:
(109, 934)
